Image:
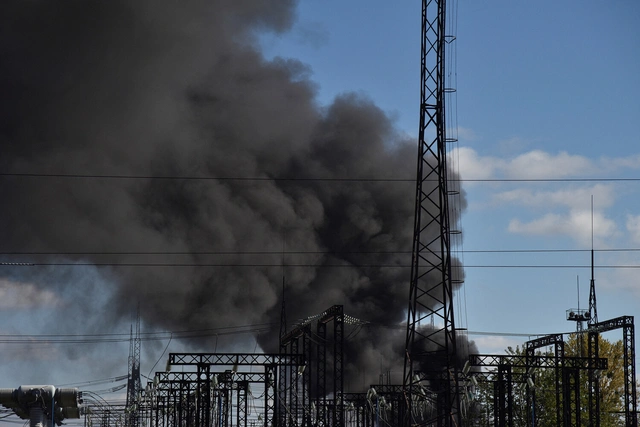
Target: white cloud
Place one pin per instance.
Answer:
(575, 198)
(576, 224)
(470, 165)
(534, 164)
(633, 227)
(18, 295)
(538, 164)
(555, 208)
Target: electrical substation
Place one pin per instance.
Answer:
(303, 384)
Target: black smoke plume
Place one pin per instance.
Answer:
(165, 88)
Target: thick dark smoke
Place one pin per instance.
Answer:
(170, 88)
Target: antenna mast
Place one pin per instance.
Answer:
(593, 311)
(134, 385)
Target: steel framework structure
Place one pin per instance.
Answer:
(101, 415)
(134, 385)
(296, 398)
(296, 341)
(431, 293)
(271, 364)
(630, 394)
(178, 398)
(557, 341)
(571, 366)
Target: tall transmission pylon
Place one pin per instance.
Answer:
(431, 337)
(134, 385)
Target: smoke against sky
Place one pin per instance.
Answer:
(181, 89)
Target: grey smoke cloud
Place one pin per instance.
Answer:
(167, 88)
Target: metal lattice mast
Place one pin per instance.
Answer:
(593, 311)
(431, 341)
(594, 381)
(134, 386)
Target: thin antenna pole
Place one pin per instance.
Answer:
(578, 288)
(592, 274)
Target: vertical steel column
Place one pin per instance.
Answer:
(594, 381)
(241, 403)
(172, 410)
(203, 399)
(321, 379)
(559, 365)
(505, 396)
(281, 391)
(270, 394)
(306, 378)
(292, 408)
(179, 403)
(497, 403)
(571, 392)
(338, 377)
(226, 404)
(630, 394)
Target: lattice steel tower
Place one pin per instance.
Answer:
(431, 338)
(593, 310)
(134, 385)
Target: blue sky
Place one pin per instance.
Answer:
(545, 90)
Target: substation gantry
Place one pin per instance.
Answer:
(312, 402)
(629, 368)
(503, 382)
(177, 398)
(209, 386)
(557, 341)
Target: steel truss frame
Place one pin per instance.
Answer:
(630, 394)
(328, 412)
(104, 415)
(298, 405)
(229, 384)
(503, 396)
(557, 340)
(431, 289)
(271, 363)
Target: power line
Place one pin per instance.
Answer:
(343, 179)
(43, 340)
(280, 252)
(345, 265)
(200, 178)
